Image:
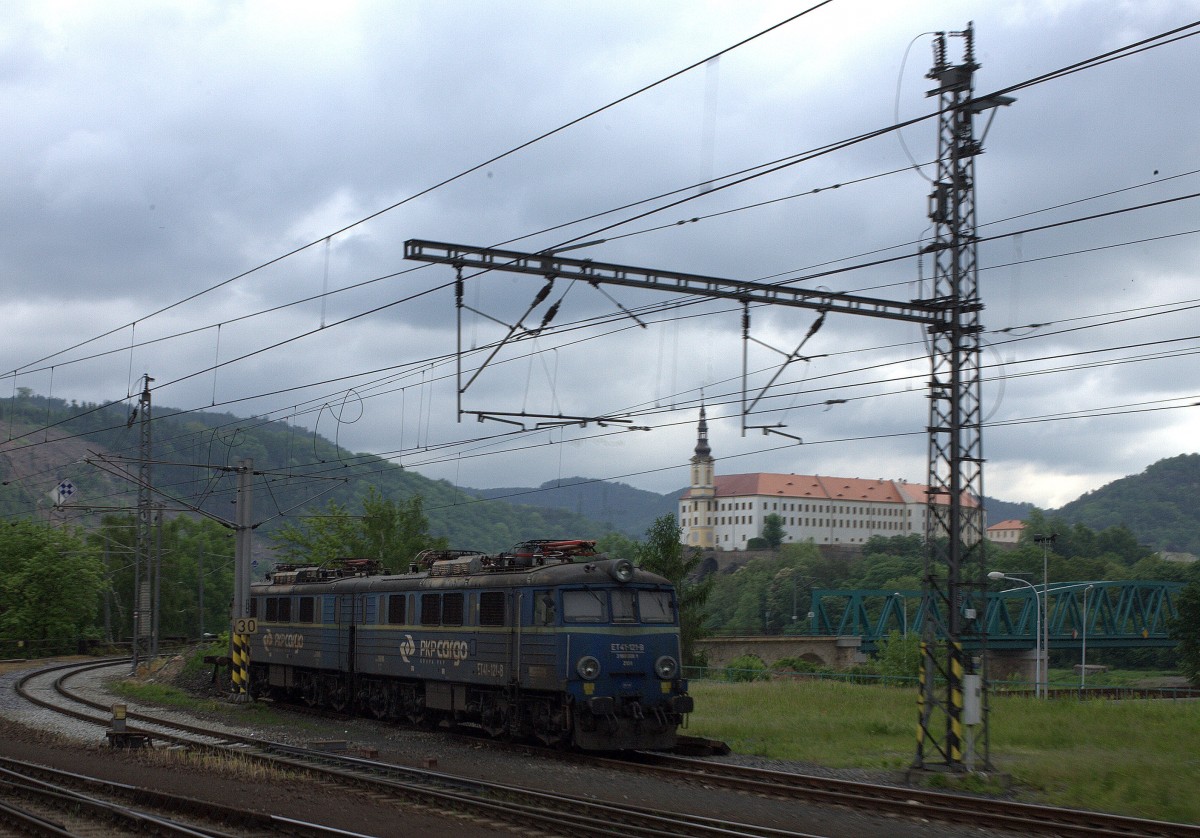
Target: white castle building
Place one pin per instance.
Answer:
(724, 512)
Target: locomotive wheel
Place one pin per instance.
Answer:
(550, 724)
(495, 717)
(414, 708)
(338, 693)
(309, 689)
(379, 702)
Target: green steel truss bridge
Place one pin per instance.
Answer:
(1116, 614)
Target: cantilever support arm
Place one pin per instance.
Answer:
(543, 264)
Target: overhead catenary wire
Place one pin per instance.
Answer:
(265, 350)
(453, 178)
(1123, 320)
(731, 180)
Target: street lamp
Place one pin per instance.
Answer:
(996, 576)
(1046, 541)
(903, 614)
(1083, 645)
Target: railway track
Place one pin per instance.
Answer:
(904, 801)
(547, 812)
(533, 810)
(37, 800)
(900, 800)
(1022, 818)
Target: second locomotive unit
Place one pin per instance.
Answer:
(548, 640)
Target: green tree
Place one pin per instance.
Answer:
(1185, 628)
(899, 656)
(319, 538)
(389, 531)
(195, 562)
(49, 584)
(617, 546)
(772, 531)
(393, 532)
(664, 554)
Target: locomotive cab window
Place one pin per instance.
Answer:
(491, 608)
(622, 607)
(452, 609)
(307, 613)
(656, 606)
(395, 611)
(543, 608)
(254, 606)
(284, 609)
(431, 610)
(272, 610)
(585, 606)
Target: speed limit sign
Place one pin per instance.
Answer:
(245, 625)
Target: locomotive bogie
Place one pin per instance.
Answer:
(568, 652)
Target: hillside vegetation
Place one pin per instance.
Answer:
(1158, 506)
(191, 449)
(194, 454)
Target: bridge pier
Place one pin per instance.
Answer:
(836, 652)
(1018, 664)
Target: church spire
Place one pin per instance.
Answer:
(698, 504)
(703, 452)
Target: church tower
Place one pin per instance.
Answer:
(698, 505)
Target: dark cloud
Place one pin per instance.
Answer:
(160, 150)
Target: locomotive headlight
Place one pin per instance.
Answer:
(622, 570)
(666, 667)
(588, 668)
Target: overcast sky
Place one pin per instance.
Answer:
(217, 194)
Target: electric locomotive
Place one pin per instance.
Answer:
(549, 640)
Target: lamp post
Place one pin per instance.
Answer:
(1044, 665)
(903, 614)
(996, 576)
(1083, 645)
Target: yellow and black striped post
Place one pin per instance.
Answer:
(922, 719)
(955, 739)
(240, 668)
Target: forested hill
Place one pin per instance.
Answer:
(192, 454)
(1159, 505)
(619, 506)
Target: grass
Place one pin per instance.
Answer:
(1137, 758)
(164, 695)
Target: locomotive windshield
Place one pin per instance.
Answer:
(626, 606)
(656, 607)
(585, 606)
(622, 607)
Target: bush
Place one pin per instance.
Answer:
(899, 656)
(747, 668)
(800, 665)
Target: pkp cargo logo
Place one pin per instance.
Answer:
(431, 650)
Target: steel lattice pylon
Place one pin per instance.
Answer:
(144, 604)
(954, 583)
(954, 524)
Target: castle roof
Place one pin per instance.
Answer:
(818, 487)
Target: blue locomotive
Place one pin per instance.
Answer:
(548, 640)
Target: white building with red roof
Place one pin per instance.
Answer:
(724, 512)
(1006, 532)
